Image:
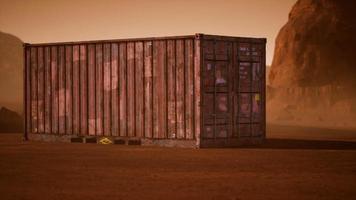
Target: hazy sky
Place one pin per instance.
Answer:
(37, 21)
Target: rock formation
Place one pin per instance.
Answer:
(10, 121)
(313, 74)
(11, 67)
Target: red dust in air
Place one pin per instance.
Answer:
(310, 83)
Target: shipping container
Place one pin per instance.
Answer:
(187, 91)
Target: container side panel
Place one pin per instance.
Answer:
(131, 89)
(91, 89)
(99, 89)
(148, 89)
(61, 90)
(83, 91)
(139, 95)
(197, 77)
(28, 91)
(122, 89)
(34, 82)
(171, 88)
(180, 84)
(107, 89)
(75, 112)
(159, 89)
(114, 90)
(68, 88)
(48, 91)
(54, 70)
(40, 89)
(189, 89)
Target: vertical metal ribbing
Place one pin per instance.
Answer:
(214, 98)
(126, 71)
(238, 90)
(57, 89)
(37, 81)
(251, 89)
(30, 88)
(234, 94)
(65, 89)
(134, 91)
(72, 75)
(102, 88)
(51, 93)
(202, 91)
(263, 85)
(202, 75)
(118, 88)
(87, 87)
(175, 88)
(110, 101)
(144, 91)
(231, 88)
(194, 98)
(152, 80)
(44, 89)
(25, 90)
(95, 87)
(184, 89)
(166, 92)
(63, 65)
(80, 96)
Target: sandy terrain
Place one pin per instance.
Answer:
(294, 163)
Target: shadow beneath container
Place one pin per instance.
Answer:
(274, 143)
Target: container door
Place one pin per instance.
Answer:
(250, 87)
(217, 118)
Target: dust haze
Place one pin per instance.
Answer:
(310, 149)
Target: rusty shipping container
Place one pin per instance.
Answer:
(190, 91)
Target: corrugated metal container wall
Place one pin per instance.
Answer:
(147, 89)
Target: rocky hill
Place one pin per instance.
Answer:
(312, 79)
(11, 62)
(10, 121)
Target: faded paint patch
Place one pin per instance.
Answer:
(61, 99)
(75, 54)
(40, 109)
(82, 52)
(222, 103)
(34, 109)
(98, 122)
(107, 84)
(41, 127)
(114, 77)
(92, 126)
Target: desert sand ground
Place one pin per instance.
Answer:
(294, 163)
